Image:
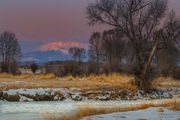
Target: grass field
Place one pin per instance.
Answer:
(85, 83)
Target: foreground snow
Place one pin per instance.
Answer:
(147, 114)
(60, 94)
(39, 110)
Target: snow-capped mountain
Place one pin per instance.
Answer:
(45, 56)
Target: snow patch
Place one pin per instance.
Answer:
(25, 99)
(147, 114)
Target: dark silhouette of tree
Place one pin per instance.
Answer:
(34, 67)
(77, 53)
(169, 47)
(139, 21)
(113, 45)
(95, 49)
(10, 51)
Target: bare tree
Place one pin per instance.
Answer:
(169, 47)
(34, 67)
(113, 45)
(77, 53)
(139, 21)
(95, 48)
(10, 50)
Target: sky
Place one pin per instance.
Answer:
(51, 24)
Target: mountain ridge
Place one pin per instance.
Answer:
(45, 56)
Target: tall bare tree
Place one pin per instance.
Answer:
(169, 47)
(77, 53)
(95, 48)
(139, 21)
(10, 50)
(113, 45)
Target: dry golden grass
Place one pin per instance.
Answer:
(89, 111)
(69, 78)
(166, 82)
(121, 81)
(175, 105)
(5, 75)
(92, 82)
(114, 77)
(124, 81)
(29, 76)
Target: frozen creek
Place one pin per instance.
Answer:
(147, 114)
(39, 110)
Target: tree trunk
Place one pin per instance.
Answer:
(143, 79)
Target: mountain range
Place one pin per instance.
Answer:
(45, 56)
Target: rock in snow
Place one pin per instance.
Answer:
(25, 99)
(139, 94)
(76, 97)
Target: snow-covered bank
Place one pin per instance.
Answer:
(147, 114)
(33, 110)
(59, 94)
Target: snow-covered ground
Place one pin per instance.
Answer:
(59, 94)
(39, 110)
(68, 101)
(147, 114)
(34, 110)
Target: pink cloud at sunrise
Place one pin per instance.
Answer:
(62, 46)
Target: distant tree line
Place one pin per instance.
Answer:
(10, 52)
